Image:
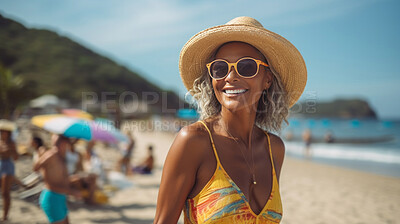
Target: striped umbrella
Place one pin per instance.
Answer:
(77, 113)
(74, 127)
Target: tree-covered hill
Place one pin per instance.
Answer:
(60, 66)
(339, 108)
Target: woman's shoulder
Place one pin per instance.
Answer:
(192, 139)
(277, 145)
(189, 147)
(195, 135)
(278, 151)
(276, 141)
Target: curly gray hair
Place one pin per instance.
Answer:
(272, 107)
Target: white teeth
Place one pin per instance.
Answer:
(235, 91)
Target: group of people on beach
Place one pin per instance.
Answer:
(61, 167)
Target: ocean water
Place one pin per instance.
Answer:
(364, 144)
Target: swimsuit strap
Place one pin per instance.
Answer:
(212, 142)
(270, 151)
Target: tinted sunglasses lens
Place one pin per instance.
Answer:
(247, 67)
(219, 69)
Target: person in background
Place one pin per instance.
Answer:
(79, 179)
(307, 138)
(289, 135)
(328, 138)
(147, 165)
(39, 148)
(52, 164)
(92, 163)
(124, 164)
(8, 153)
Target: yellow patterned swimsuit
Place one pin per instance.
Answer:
(222, 201)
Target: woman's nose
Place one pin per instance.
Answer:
(232, 75)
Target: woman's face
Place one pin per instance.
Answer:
(253, 87)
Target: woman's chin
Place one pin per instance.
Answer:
(234, 106)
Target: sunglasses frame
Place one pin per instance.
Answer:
(234, 64)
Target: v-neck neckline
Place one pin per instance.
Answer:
(240, 192)
(237, 188)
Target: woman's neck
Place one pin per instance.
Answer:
(239, 124)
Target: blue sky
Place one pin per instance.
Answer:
(351, 47)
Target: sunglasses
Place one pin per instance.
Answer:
(245, 67)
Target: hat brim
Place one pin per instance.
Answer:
(284, 58)
(7, 127)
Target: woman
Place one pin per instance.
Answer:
(8, 153)
(225, 168)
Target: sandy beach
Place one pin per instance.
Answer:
(311, 193)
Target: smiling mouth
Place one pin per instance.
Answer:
(234, 92)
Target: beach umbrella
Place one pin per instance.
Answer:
(77, 113)
(109, 126)
(74, 127)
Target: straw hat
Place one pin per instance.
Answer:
(6, 125)
(284, 59)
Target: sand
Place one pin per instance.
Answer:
(311, 193)
(315, 193)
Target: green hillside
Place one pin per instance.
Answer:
(60, 66)
(343, 108)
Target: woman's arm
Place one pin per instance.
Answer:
(179, 174)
